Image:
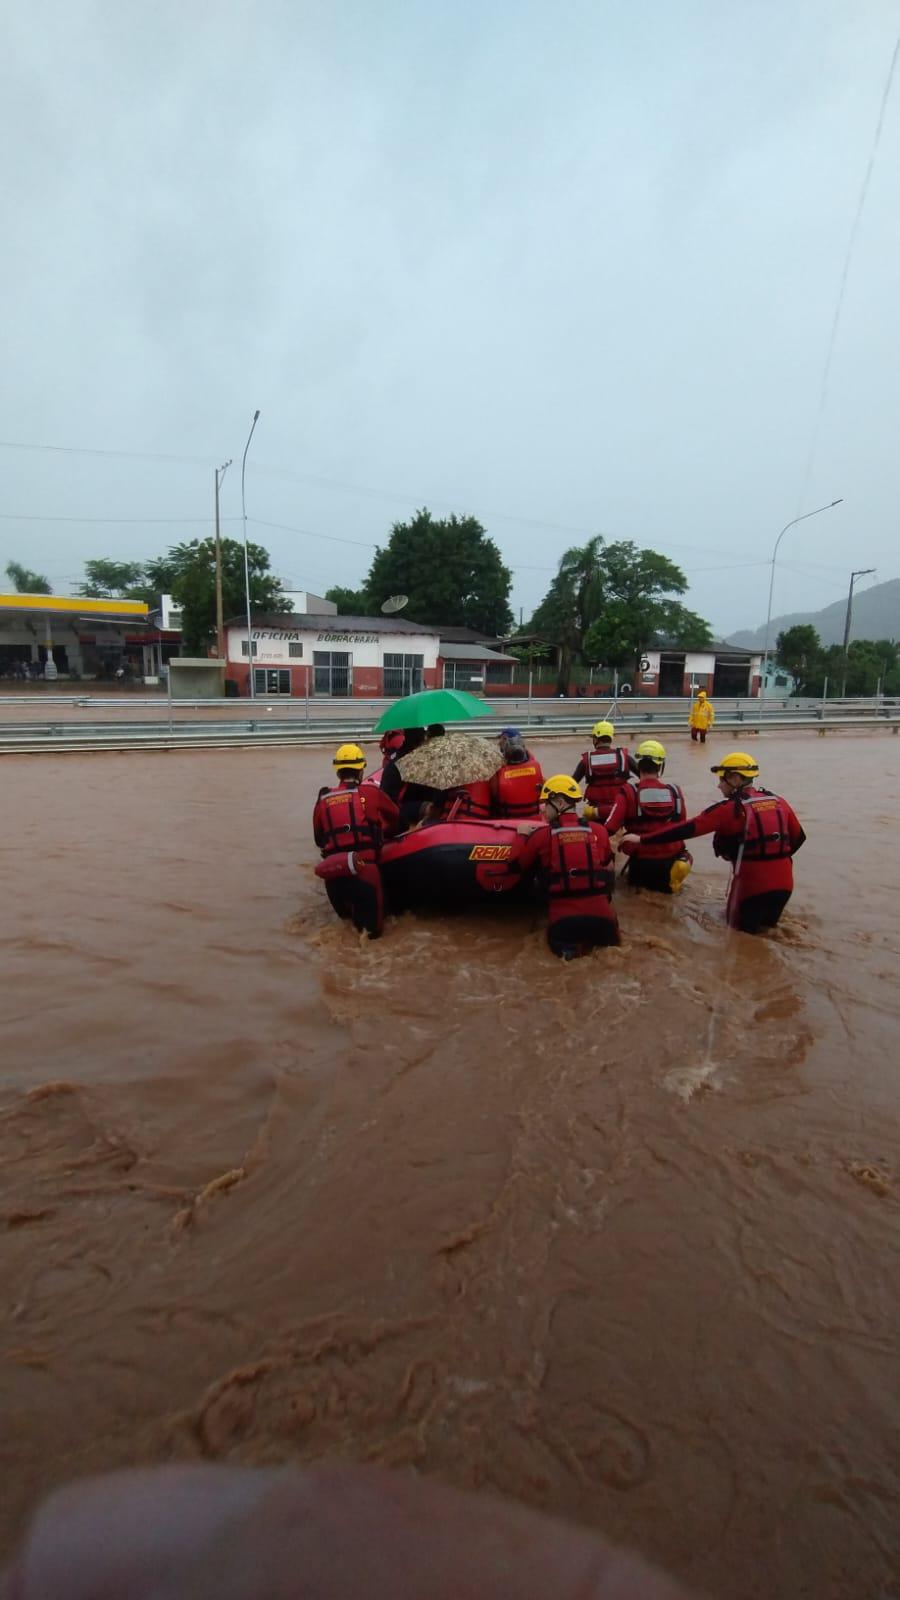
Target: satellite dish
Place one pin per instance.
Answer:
(395, 603)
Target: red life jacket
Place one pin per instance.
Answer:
(606, 771)
(517, 790)
(657, 803)
(767, 827)
(342, 817)
(474, 799)
(577, 864)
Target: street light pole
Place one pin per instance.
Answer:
(220, 620)
(791, 524)
(247, 557)
(862, 572)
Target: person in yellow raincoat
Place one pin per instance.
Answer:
(702, 717)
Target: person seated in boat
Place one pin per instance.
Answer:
(350, 822)
(390, 745)
(408, 797)
(467, 800)
(574, 864)
(512, 736)
(429, 812)
(516, 786)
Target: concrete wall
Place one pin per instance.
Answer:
(193, 679)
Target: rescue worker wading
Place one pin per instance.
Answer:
(350, 822)
(516, 787)
(701, 718)
(640, 808)
(605, 769)
(757, 832)
(574, 861)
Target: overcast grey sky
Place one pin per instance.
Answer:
(568, 266)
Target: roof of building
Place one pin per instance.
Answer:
(717, 648)
(76, 606)
(454, 635)
(472, 652)
(312, 622)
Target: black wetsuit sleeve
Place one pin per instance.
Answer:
(391, 781)
(579, 772)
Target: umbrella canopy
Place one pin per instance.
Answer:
(451, 760)
(432, 705)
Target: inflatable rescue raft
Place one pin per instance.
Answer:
(447, 861)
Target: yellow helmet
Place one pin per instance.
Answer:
(652, 750)
(349, 755)
(561, 785)
(701, 694)
(739, 762)
(603, 730)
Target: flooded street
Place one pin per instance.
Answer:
(618, 1238)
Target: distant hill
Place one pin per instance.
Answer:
(876, 615)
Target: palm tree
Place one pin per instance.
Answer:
(573, 602)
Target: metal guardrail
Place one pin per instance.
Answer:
(59, 738)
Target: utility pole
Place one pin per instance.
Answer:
(247, 559)
(220, 619)
(863, 572)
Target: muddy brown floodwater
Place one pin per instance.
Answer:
(618, 1238)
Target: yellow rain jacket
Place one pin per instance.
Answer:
(702, 714)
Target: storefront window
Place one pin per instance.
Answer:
(332, 672)
(403, 674)
(271, 680)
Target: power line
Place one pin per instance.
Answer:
(15, 516)
(845, 274)
(90, 450)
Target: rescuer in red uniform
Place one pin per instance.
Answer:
(350, 822)
(516, 786)
(574, 862)
(641, 807)
(605, 769)
(756, 831)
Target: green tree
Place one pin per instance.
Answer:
(609, 602)
(24, 581)
(350, 602)
(451, 571)
(188, 573)
(116, 580)
(799, 651)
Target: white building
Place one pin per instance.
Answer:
(323, 654)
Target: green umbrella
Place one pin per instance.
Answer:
(432, 705)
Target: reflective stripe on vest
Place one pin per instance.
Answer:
(518, 789)
(656, 804)
(575, 868)
(605, 766)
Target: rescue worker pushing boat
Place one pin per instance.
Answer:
(701, 718)
(641, 807)
(756, 831)
(350, 821)
(574, 860)
(605, 769)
